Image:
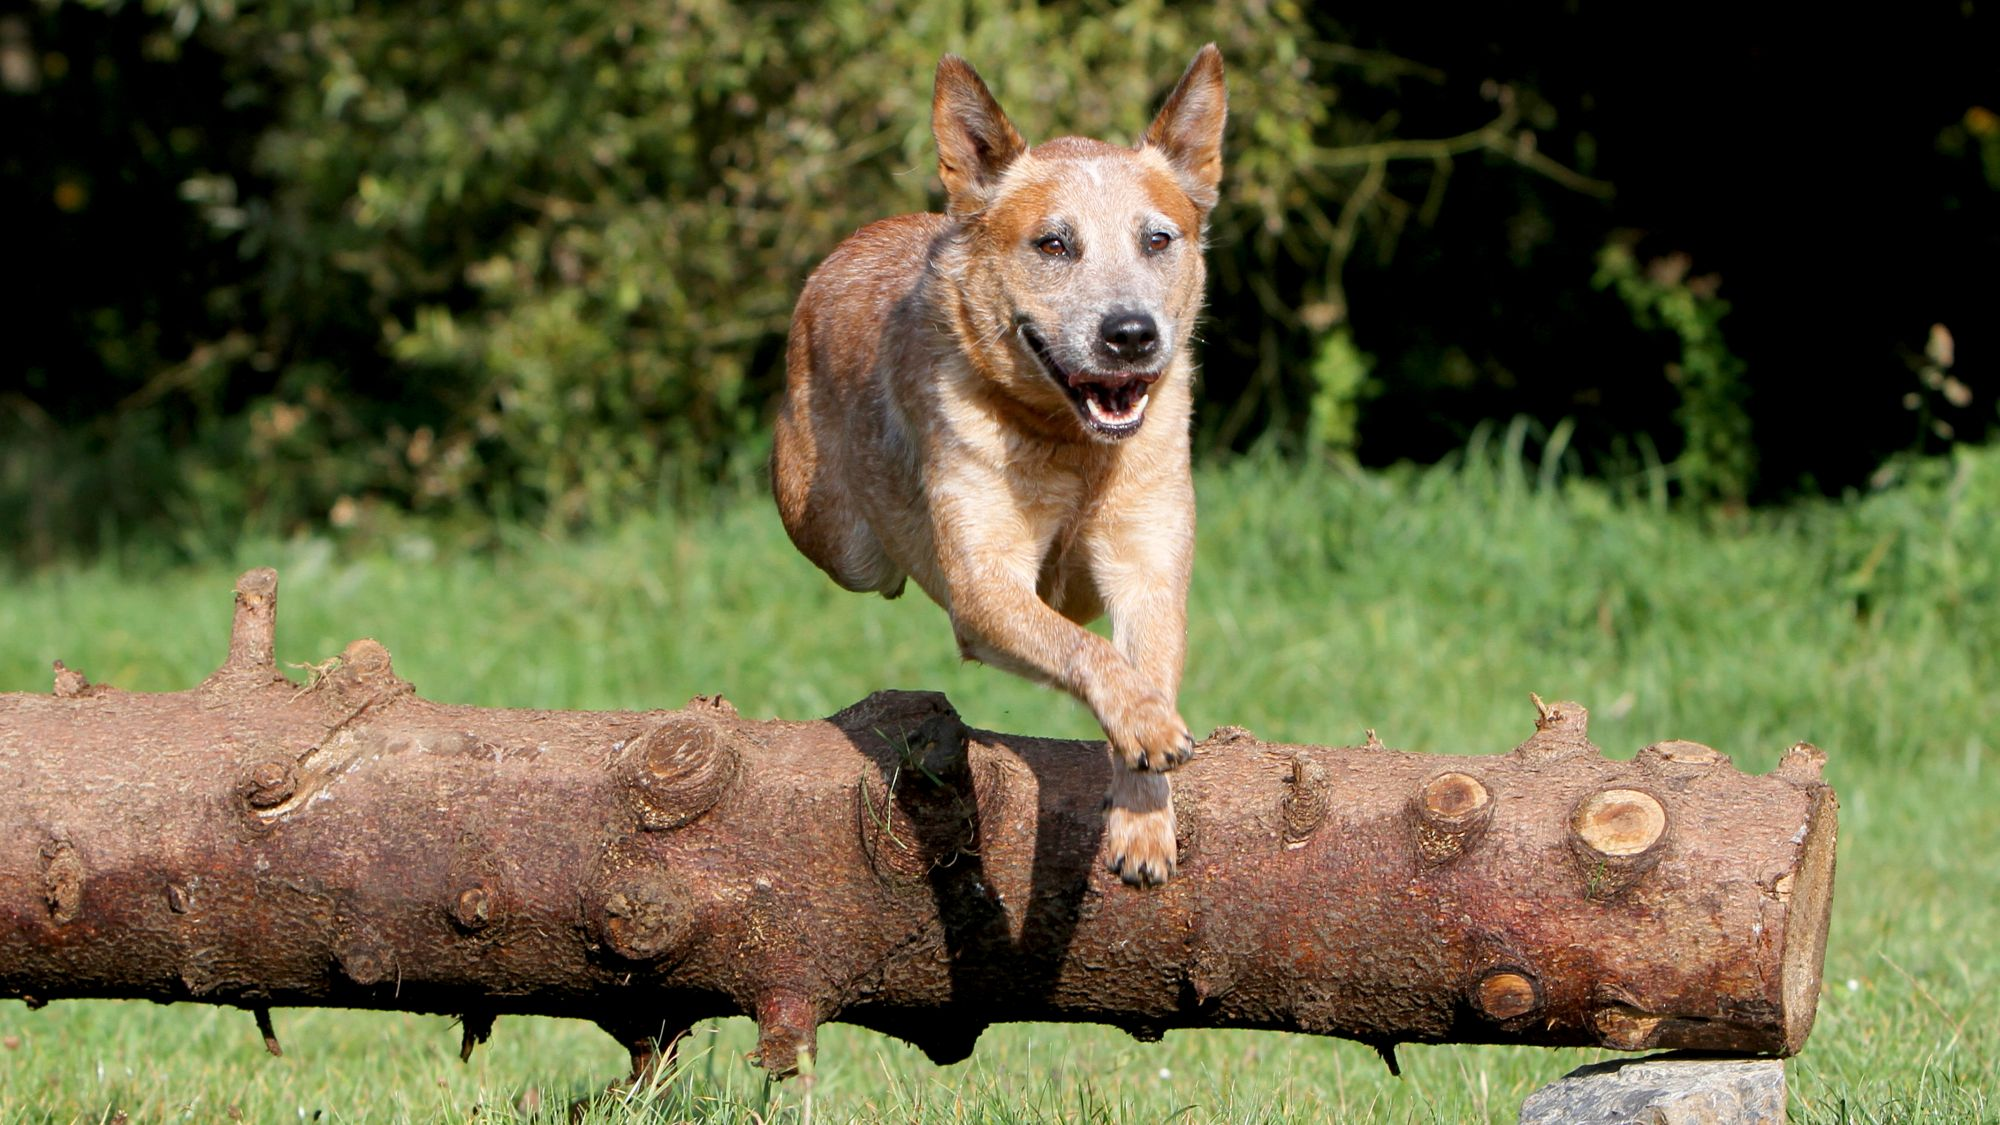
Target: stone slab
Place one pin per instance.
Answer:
(1663, 1090)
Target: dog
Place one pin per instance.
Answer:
(996, 402)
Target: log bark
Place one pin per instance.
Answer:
(346, 843)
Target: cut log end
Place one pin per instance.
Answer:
(1804, 956)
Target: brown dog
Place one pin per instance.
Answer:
(995, 401)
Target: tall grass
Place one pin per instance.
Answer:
(1423, 603)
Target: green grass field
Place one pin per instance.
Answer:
(1425, 604)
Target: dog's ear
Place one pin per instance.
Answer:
(1188, 131)
(975, 140)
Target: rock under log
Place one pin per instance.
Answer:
(1663, 1090)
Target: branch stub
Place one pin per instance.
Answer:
(1803, 762)
(1303, 807)
(677, 771)
(473, 908)
(645, 918)
(1562, 730)
(1452, 811)
(70, 683)
(1506, 994)
(1620, 823)
(1679, 757)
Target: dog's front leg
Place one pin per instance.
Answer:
(990, 569)
(1141, 559)
(1006, 625)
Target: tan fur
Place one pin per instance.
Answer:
(922, 434)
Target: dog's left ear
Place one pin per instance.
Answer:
(1188, 131)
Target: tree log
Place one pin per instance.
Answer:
(346, 843)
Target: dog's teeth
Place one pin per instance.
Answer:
(1114, 417)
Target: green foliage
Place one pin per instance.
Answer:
(1717, 460)
(539, 259)
(1976, 134)
(300, 263)
(1340, 381)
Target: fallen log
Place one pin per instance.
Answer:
(346, 843)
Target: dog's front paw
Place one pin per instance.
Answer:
(1141, 846)
(1139, 828)
(1149, 734)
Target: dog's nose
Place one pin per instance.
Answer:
(1129, 335)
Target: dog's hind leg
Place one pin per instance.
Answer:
(832, 532)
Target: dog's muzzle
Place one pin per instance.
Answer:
(1111, 403)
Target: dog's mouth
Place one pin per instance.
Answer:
(1111, 403)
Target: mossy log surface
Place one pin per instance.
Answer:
(346, 843)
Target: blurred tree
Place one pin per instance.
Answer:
(305, 260)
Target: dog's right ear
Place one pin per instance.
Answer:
(975, 140)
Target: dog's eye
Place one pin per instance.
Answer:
(1052, 246)
(1158, 240)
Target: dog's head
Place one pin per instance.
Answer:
(1078, 271)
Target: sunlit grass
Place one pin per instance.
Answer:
(1425, 605)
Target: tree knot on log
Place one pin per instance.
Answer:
(1678, 758)
(365, 958)
(1303, 806)
(268, 784)
(1507, 995)
(472, 910)
(62, 880)
(677, 771)
(644, 916)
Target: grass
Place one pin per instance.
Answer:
(1425, 604)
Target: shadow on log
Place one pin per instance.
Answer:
(346, 843)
